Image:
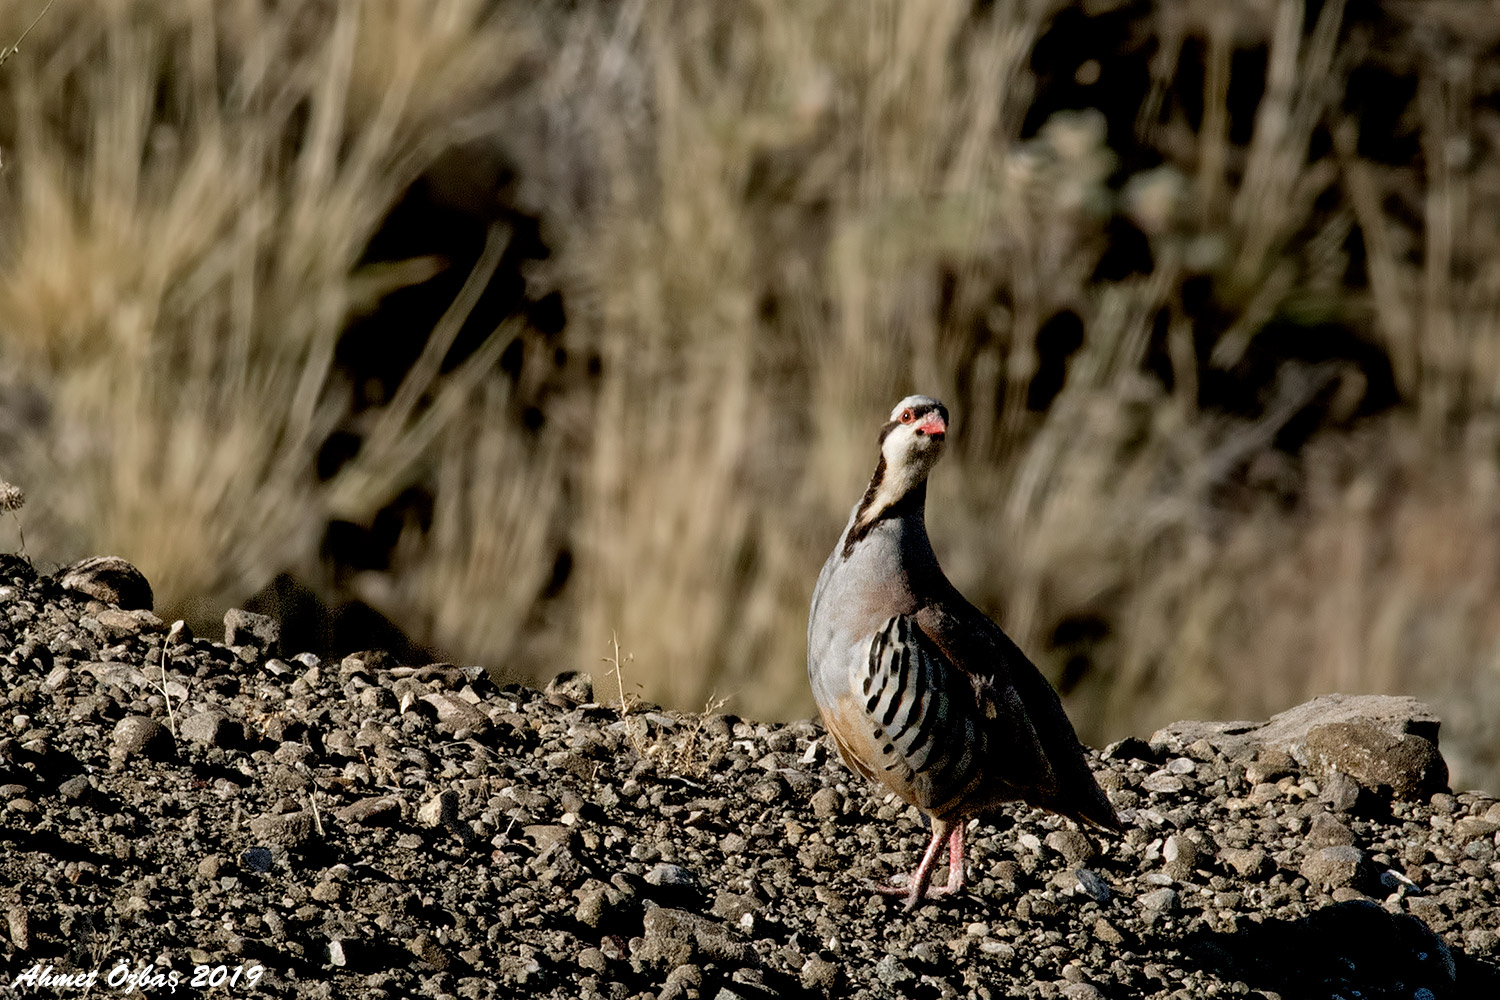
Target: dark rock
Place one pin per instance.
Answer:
(1341, 792)
(1092, 885)
(1326, 831)
(1075, 846)
(1131, 748)
(214, 729)
(246, 628)
(143, 736)
(76, 789)
(1396, 764)
(569, 688)
(292, 830)
(109, 579)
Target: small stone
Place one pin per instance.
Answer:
(209, 866)
(380, 810)
(291, 830)
(892, 971)
(1082, 991)
(1074, 846)
(120, 624)
(671, 875)
(548, 837)
(1181, 766)
(1092, 885)
(570, 688)
(1181, 855)
(1474, 827)
(682, 982)
(18, 921)
(825, 803)
(141, 735)
(733, 906)
(1162, 782)
(109, 579)
(327, 892)
(256, 859)
(457, 715)
(1340, 791)
(1162, 900)
(1270, 765)
(440, 810)
(1332, 867)
(1107, 932)
(593, 902)
(246, 628)
(76, 789)
(819, 974)
(1326, 831)
(213, 729)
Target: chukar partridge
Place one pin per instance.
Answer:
(919, 689)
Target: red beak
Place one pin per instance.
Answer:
(933, 426)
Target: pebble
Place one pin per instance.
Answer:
(1161, 900)
(1332, 867)
(1162, 782)
(1075, 846)
(139, 735)
(246, 628)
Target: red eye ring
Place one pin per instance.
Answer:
(907, 416)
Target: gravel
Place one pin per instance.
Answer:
(364, 828)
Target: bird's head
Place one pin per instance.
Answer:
(913, 438)
(910, 443)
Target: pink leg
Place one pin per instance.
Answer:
(917, 887)
(955, 863)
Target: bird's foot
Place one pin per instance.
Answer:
(952, 887)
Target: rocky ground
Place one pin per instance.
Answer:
(225, 815)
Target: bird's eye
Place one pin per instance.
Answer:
(907, 416)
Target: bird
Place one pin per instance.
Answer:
(920, 690)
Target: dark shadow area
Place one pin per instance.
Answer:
(1349, 949)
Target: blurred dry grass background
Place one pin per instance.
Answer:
(1221, 338)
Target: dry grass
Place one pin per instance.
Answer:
(190, 188)
(769, 220)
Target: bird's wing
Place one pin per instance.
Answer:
(1034, 754)
(909, 720)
